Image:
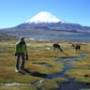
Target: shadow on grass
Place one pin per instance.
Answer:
(37, 74)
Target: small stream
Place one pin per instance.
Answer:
(67, 61)
(71, 84)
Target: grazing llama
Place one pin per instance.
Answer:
(57, 46)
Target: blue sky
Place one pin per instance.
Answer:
(14, 12)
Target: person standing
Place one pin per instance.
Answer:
(21, 54)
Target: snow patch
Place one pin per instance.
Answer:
(43, 17)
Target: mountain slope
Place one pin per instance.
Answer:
(46, 26)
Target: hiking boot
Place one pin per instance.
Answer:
(17, 70)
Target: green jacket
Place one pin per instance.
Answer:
(21, 48)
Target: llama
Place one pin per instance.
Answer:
(57, 46)
(76, 46)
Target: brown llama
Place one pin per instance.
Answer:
(77, 47)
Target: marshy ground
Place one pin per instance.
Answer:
(48, 69)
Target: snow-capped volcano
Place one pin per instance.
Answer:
(44, 17)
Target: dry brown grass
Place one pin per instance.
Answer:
(38, 53)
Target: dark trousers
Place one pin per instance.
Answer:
(20, 61)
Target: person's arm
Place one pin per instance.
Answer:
(16, 50)
(26, 53)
